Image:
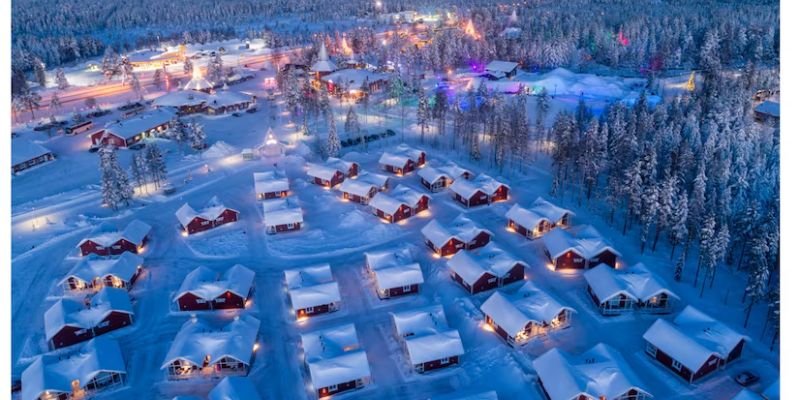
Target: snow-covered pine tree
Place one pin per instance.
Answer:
(351, 124)
(114, 184)
(334, 144)
(136, 85)
(39, 72)
(155, 164)
(707, 247)
(758, 275)
(61, 79)
(55, 103)
(188, 67)
(197, 135)
(423, 114)
(158, 78)
(138, 171)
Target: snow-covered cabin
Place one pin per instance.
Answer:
(111, 243)
(599, 373)
(440, 178)
(323, 66)
(483, 189)
(213, 215)
(525, 314)
(96, 366)
(183, 102)
(497, 69)
(693, 344)
(201, 349)
(204, 289)
(335, 360)
(27, 154)
(131, 131)
(581, 247)
(281, 215)
(402, 160)
(355, 83)
(399, 203)
(460, 233)
(486, 268)
(234, 388)
(71, 320)
(617, 291)
(364, 188)
(270, 184)
(428, 340)
(226, 101)
(324, 175)
(350, 169)
(395, 272)
(538, 219)
(312, 290)
(95, 273)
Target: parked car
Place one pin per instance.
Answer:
(168, 189)
(747, 378)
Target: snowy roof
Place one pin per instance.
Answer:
(461, 228)
(144, 122)
(512, 311)
(375, 179)
(323, 63)
(311, 286)
(224, 98)
(432, 174)
(409, 151)
(501, 66)
(73, 312)
(234, 388)
(401, 195)
(453, 170)
(181, 98)
(388, 258)
(399, 276)
(88, 268)
(584, 240)
(359, 187)
(693, 337)
(334, 356)
(207, 284)
(600, 372)
(281, 212)
(321, 171)
(23, 150)
(484, 183)
(427, 335)
(270, 182)
(434, 347)
(214, 208)
(635, 282)
(134, 232)
(55, 373)
(471, 265)
(769, 107)
(198, 82)
(395, 160)
(354, 79)
(541, 209)
(197, 339)
(342, 166)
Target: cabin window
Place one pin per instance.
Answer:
(103, 324)
(309, 310)
(677, 365)
(200, 301)
(204, 222)
(81, 332)
(333, 388)
(219, 300)
(406, 288)
(444, 361)
(650, 349)
(116, 247)
(492, 280)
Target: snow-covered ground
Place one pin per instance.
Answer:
(56, 205)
